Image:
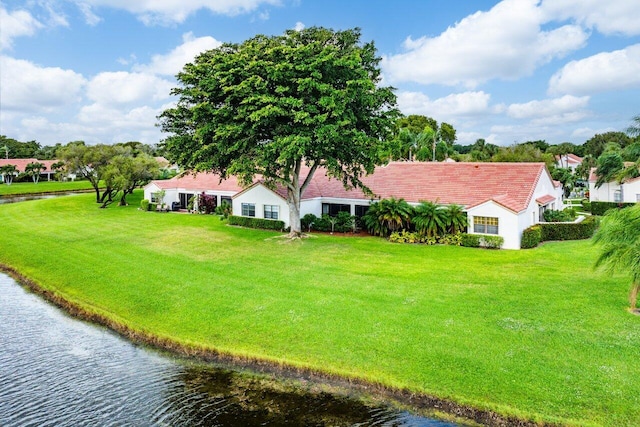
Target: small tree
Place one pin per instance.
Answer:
(388, 215)
(58, 168)
(619, 238)
(456, 218)
(34, 169)
(430, 219)
(8, 172)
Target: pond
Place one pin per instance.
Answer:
(57, 370)
(14, 199)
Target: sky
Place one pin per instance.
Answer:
(509, 71)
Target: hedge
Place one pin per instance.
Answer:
(600, 208)
(144, 204)
(266, 224)
(569, 231)
(531, 237)
(481, 241)
(534, 235)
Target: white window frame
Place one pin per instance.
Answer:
(271, 211)
(484, 225)
(249, 209)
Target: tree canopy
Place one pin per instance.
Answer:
(272, 106)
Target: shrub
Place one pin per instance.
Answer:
(308, 221)
(559, 216)
(571, 231)
(144, 204)
(586, 205)
(470, 240)
(405, 236)
(224, 210)
(344, 222)
(451, 239)
(153, 207)
(531, 237)
(266, 224)
(206, 203)
(491, 242)
(600, 208)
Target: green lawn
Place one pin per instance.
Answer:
(534, 333)
(43, 187)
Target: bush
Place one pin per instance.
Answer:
(451, 239)
(153, 207)
(470, 240)
(586, 205)
(571, 231)
(531, 237)
(224, 210)
(206, 203)
(491, 242)
(308, 221)
(144, 204)
(600, 208)
(481, 241)
(405, 236)
(265, 224)
(559, 216)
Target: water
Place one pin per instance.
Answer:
(59, 371)
(15, 199)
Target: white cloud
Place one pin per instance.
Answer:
(299, 26)
(27, 87)
(176, 11)
(602, 72)
(608, 17)
(587, 132)
(123, 88)
(445, 108)
(506, 42)
(171, 63)
(89, 17)
(16, 24)
(566, 108)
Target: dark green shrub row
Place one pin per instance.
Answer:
(559, 216)
(534, 235)
(531, 237)
(586, 205)
(600, 208)
(266, 224)
(572, 231)
(481, 241)
(405, 236)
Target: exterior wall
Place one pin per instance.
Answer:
(314, 206)
(260, 196)
(507, 222)
(606, 192)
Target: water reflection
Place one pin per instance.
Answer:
(14, 199)
(55, 370)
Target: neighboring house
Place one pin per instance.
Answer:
(21, 165)
(165, 165)
(627, 192)
(181, 188)
(499, 198)
(569, 160)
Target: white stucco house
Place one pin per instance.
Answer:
(626, 192)
(499, 198)
(568, 160)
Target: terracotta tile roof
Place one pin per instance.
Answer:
(545, 199)
(467, 184)
(570, 158)
(21, 164)
(200, 182)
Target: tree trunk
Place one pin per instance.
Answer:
(633, 295)
(294, 219)
(97, 194)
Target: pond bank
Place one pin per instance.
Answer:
(421, 403)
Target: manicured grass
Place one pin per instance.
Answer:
(534, 333)
(43, 187)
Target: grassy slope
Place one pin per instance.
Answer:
(534, 333)
(43, 187)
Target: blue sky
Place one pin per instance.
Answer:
(508, 71)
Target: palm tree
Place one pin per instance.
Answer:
(7, 172)
(634, 129)
(34, 169)
(387, 216)
(619, 237)
(456, 218)
(430, 219)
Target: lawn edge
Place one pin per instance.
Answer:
(422, 403)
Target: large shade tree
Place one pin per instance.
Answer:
(282, 107)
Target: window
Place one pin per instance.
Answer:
(248, 209)
(361, 210)
(332, 209)
(225, 199)
(485, 224)
(617, 196)
(271, 211)
(637, 197)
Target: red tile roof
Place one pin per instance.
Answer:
(545, 199)
(21, 164)
(200, 182)
(469, 184)
(570, 158)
